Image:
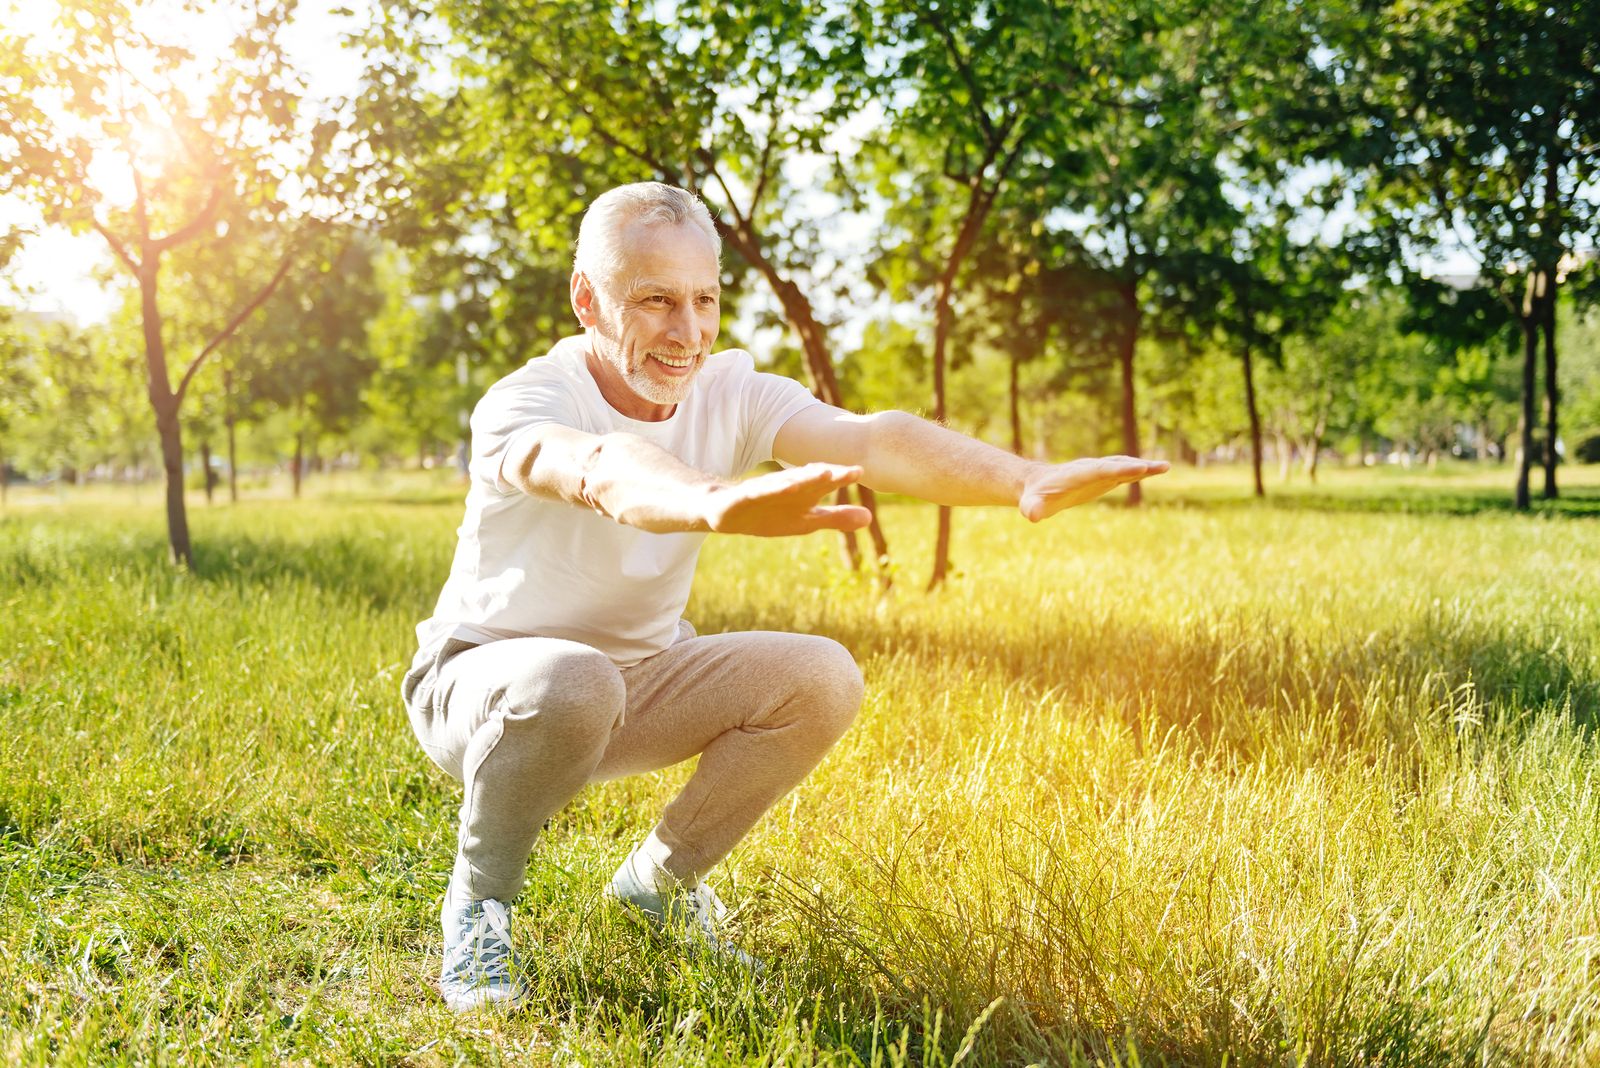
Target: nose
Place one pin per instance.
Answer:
(682, 327)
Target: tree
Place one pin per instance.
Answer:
(81, 409)
(1136, 191)
(1474, 124)
(972, 86)
(17, 388)
(414, 396)
(118, 128)
(315, 360)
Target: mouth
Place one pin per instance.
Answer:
(675, 364)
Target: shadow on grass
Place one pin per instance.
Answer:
(362, 570)
(1580, 503)
(1200, 676)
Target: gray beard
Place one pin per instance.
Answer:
(656, 392)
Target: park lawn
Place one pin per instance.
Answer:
(1313, 781)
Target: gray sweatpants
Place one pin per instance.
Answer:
(525, 723)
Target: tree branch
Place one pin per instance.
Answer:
(764, 170)
(716, 175)
(965, 70)
(233, 324)
(600, 130)
(201, 220)
(116, 245)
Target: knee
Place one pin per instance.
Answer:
(833, 682)
(577, 693)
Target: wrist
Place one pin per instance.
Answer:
(711, 502)
(1028, 471)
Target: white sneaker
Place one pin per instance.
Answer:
(689, 912)
(480, 969)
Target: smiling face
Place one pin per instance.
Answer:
(652, 324)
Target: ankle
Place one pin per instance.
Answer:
(652, 864)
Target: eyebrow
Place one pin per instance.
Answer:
(651, 285)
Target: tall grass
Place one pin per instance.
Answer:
(1286, 784)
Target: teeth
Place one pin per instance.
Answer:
(674, 361)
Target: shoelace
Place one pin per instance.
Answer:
(490, 937)
(708, 909)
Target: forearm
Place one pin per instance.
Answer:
(907, 455)
(622, 476)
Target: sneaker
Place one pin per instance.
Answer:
(689, 912)
(480, 969)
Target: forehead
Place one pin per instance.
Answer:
(673, 254)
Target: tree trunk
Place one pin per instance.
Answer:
(165, 406)
(205, 467)
(5, 481)
(1552, 391)
(229, 421)
(943, 320)
(172, 462)
(825, 384)
(1525, 421)
(1130, 422)
(1255, 419)
(1285, 454)
(297, 465)
(1016, 406)
(233, 464)
(1314, 447)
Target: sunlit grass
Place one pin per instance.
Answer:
(1292, 783)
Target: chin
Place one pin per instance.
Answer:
(661, 392)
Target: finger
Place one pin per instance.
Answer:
(838, 517)
(819, 480)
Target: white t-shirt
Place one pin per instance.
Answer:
(529, 566)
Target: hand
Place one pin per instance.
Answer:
(786, 502)
(1053, 487)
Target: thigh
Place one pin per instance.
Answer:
(486, 680)
(685, 697)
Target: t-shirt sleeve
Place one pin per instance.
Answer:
(769, 401)
(510, 410)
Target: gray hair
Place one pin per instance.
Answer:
(597, 253)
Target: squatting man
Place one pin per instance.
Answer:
(557, 655)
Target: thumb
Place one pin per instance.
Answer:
(1032, 506)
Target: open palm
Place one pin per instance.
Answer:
(1054, 487)
(787, 502)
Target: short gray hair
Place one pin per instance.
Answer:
(597, 253)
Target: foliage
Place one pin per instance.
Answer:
(79, 405)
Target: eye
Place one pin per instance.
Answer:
(658, 299)
(707, 301)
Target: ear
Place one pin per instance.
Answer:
(584, 300)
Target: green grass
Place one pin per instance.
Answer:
(1313, 781)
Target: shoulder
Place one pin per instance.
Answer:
(736, 369)
(543, 383)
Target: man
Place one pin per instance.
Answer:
(556, 655)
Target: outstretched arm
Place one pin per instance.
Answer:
(900, 453)
(636, 482)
